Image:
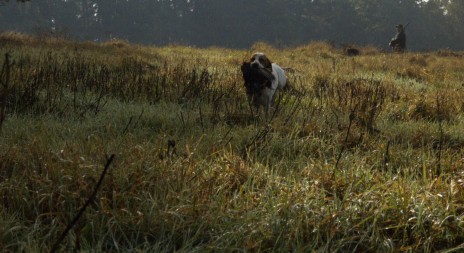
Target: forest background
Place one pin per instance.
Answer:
(433, 24)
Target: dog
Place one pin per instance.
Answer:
(350, 51)
(262, 79)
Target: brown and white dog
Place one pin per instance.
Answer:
(262, 79)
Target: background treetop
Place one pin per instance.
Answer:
(434, 24)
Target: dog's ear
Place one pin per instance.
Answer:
(245, 66)
(246, 70)
(267, 64)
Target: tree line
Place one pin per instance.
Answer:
(433, 24)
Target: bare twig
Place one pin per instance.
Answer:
(130, 122)
(87, 203)
(258, 139)
(171, 149)
(201, 117)
(295, 108)
(386, 157)
(342, 149)
(440, 143)
(4, 79)
(352, 118)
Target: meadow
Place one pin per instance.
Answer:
(364, 154)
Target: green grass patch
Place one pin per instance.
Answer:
(365, 155)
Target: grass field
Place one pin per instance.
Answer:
(365, 154)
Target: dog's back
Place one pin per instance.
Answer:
(280, 77)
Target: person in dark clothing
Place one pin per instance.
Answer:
(398, 43)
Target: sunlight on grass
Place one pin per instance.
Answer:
(364, 155)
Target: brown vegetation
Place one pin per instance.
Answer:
(364, 156)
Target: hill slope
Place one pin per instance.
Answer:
(366, 156)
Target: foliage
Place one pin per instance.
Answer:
(434, 24)
(363, 155)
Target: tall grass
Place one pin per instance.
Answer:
(365, 155)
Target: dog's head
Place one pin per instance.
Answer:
(255, 77)
(260, 60)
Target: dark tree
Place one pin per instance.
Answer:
(433, 24)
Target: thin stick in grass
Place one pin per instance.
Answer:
(440, 143)
(87, 203)
(342, 149)
(4, 93)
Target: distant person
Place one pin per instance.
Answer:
(398, 43)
